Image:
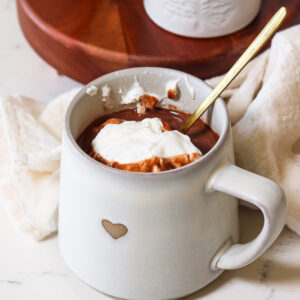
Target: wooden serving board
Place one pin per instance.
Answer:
(85, 39)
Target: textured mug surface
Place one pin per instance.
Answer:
(202, 18)
(157, 235)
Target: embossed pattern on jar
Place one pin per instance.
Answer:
(202, 18)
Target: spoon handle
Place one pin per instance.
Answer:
(251, 51)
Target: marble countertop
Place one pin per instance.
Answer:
(31, 270)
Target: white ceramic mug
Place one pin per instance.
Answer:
(174, 231)
(202, 18)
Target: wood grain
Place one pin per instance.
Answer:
(85, 39)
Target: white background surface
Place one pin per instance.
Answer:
(32, 271)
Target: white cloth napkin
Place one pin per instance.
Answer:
(264, 106)
(30, 134)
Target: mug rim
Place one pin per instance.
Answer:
(94, 163)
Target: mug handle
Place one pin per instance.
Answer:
(263, 193)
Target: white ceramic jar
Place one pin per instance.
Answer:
(164, 235)
(202, 18)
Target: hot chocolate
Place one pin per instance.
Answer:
(169, 148)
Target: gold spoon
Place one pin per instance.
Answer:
(251, 51)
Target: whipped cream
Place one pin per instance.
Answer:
(172, 88)
(133, 141)
(133, 93)
(105, 92)
(92, 90)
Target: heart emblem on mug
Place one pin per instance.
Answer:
(115, 230)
